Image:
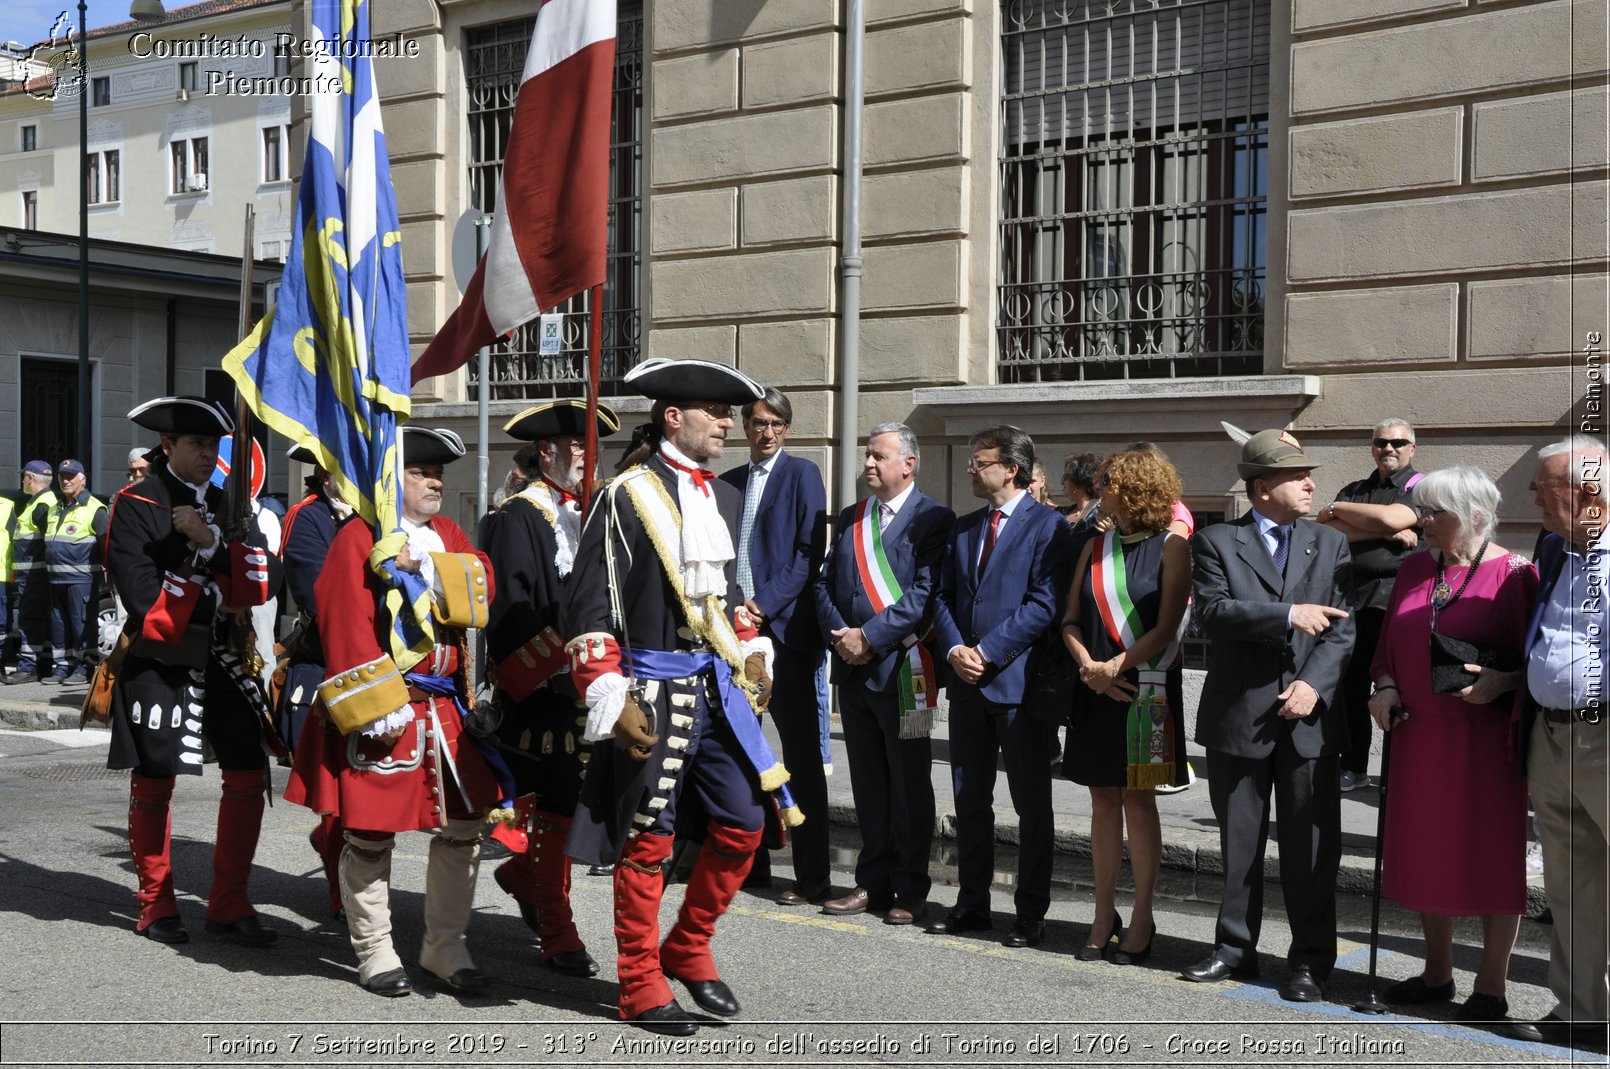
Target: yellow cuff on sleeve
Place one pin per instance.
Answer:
(363, 694)
(463, 580)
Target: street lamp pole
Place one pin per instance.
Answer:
(86, 439)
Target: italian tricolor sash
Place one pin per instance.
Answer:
(1150, 743)
(918, 690)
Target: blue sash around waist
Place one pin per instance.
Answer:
(447, 687)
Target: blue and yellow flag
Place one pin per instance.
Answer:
(328, 366)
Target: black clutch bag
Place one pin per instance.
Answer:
(1450, 655)
(1054, 681)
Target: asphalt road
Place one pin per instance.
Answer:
(81, 989)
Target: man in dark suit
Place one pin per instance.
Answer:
(1005, 577)
(784, 510)
(875, 610)
(1563, 734)
(1269, 590)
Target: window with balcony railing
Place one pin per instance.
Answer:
(494, 60)
(1133, 175)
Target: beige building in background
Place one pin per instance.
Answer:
(1099, 221)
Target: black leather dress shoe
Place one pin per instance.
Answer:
(667, 1020)
(960, 920)
(393, 983)
(167, 930)
(712, 995)
(246, 932)
(572, 963)
(1552, 1029)
(1025, 933)
(470, 981)
(1211, 970)
(1301, 986)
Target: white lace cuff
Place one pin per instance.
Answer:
(388, 723)
(762, 644)
(204, 555)
(606, 697)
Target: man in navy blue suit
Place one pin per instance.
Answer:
(874, 601)
(1005, 576)
(784, 512)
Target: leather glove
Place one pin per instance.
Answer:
(631, 728)
(755, 675)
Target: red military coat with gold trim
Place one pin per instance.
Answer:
(408, 784)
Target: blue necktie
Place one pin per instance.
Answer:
(1282, 535)
(746, 527)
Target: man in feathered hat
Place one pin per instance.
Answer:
(391, 754)
(673, 673)
(532, 541)
(179, 682)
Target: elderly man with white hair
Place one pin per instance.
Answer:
(1563, 730)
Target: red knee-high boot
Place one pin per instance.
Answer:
(240, 820)
(327, 842)
(717, 875)
(639, 885)
(556, 924)
(150, 821)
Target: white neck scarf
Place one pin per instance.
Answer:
(706, 544)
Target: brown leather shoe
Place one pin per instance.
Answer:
(857, 901)
(907, 909)
(806, 893)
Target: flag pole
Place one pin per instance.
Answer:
(595, 303)
(238, 492)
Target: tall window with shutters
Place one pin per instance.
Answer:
(1133, 177)
(494, 60)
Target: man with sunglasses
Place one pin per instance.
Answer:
(1379, 522)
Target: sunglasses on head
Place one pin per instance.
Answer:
(1395, 443)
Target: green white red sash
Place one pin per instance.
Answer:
(919, 692)
(1150, 745)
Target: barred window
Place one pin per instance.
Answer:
(1134, 163)
(494, 61)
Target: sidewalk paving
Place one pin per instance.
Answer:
(1190, 834)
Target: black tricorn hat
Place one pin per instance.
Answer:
(302, 454)
(183, 415)
(430, 445)
(693, 380)
(555, 419)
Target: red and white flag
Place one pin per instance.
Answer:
(550, 230)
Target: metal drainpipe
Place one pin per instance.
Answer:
(849, 466)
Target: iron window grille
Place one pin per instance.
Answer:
(1134, 163)
(494, 60)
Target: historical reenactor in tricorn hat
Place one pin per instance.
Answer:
(309, 529)
(392, 754)
(672, 672)
(532, 541)
(180, 686)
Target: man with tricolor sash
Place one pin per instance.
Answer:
(673, 673)
(538, 719)
(874, 601)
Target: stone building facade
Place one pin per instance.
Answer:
(1099, 221)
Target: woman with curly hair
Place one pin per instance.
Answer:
(1122, 626)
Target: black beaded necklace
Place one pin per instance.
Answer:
(1442, 595)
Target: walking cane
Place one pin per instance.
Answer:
(1371, 1002)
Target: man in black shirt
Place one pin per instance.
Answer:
(1379, 523)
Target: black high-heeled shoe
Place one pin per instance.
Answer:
(1095, 953)
(1136, 957)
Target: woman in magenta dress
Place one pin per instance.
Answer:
(1455, 841)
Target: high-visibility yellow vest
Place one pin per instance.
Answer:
(8, 509)
(28, 544)
(70, 539)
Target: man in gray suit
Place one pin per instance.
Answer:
(1268, 591)
(874, 602)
